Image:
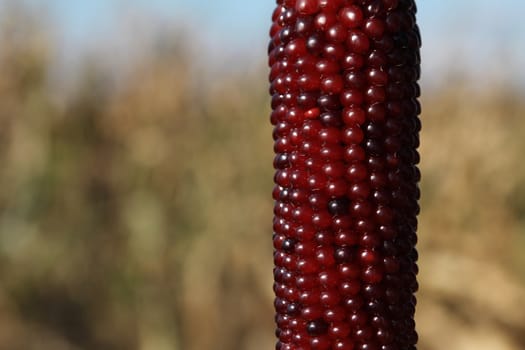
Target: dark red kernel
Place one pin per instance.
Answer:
(345, 254)
(373, 274)
(295, 48)
(330, 298)
(325, 256)
(329, 102)
(284, 36)
(339, 330)
(377, 77)
(331, 153)
(351, 135)
(320, 343)
(277, 12)
(334, 51)
(338, 206)
(363, 334)
(321, 220)
(311, 129)
(329, 278)
(370, 240)
(376, 112)
(336, 33)
(281, 194)
(374, 8)
(361, 209)
(378, 180)
(302, 214)
(314, 44)
(323, 238)
(374, 28)
(285, 335)
(351, 97)
(360, 190)
(385, 44)
(358, 42)
(332, 84)
(289, 15)
(353, 61)
(374, 148)
(351, 16)
(318, 200)
(377, 59)
(368, 257)
(310, 297)
(281, 161)
(305, 64)
(309, 82)
(358, 318)
(330, 5)
(293, 116)
(353, 303)
(346, 238)
(336, 188)
(368, 346)
(307, 7)
(334, 170)
(325, 20)
(317, 327)
(316, 182)
(390, 4)
(350, 288)
(304, 249)
(353, 115)
(375, 94)
(354, 154)
(295, 137)
(312, 113)
(355, 79)
(327, 67)
(288, 245)
(376, 162)
(293, 309)
(304, 26)
(330, 135)
(356, 172)
(307, 282)
(344, 344)
(349, 271)
(334, 314)
(342, 222)
(312, 312)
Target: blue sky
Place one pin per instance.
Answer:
(482, 37)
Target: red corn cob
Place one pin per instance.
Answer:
(345, 115)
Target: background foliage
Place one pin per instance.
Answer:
(135, 213)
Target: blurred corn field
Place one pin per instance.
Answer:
(137, 215)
